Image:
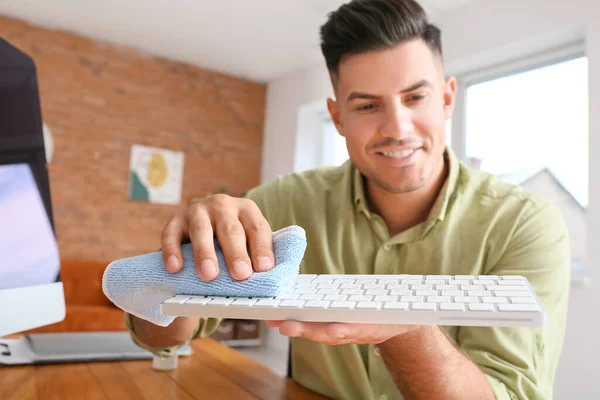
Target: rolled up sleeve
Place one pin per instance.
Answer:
(521, 363)
(205, 328)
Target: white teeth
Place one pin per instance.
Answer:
(399, 154)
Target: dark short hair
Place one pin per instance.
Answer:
(366, 25)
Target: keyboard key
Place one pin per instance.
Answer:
(219, 301)
(446, 287)
(305, 286)
(511, 282)
(511, 288)
(401, 292)
(453, 293)
(346, 305)
(327, 286)
(481, 307)
(335, 297)
(479, 293)
(376, 292)
(388, 281)
(305, 291)
(471, 287)
(394, 305)
(518, 307)
(494, 300)
(421, 287)
(366, 281)
(328, 291)
(426, 293)
(352, 291)
(435, 282)
(397, 286)
(459, 282)
(266, 303)
(374, 286)
(243, 302)
(462, 299)
(518, 300)
(370, 305)
(502, 293)
(198, 300)
(513, 277)
(179, 299)
(438, 299)
(411, 299)
(360, 297)
(289, 296)
(316, 304)
(452, 307)
(311, 297)
(343, 281)
(292, 303)
(350, 286)
(442, 277)
(423, 306)
(386, 298)
(487, 277)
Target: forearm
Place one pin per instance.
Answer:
(426, 365)
(180, 330)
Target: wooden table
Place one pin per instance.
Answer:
(214, 371)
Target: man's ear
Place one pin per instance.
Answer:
(449, 96)
(334, 112)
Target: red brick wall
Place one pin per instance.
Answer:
(99, 100)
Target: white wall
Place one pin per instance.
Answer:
(475, 36)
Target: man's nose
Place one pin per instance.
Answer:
(397, 123)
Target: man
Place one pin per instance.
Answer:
(404, 204)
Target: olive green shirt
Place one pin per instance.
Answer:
(478, 225)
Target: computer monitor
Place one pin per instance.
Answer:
(31, 292)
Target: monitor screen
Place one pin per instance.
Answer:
(28, 249)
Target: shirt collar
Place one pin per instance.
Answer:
(440, 207)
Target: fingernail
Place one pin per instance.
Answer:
(172, 263)
(240, 267)
(207, 268)
(264, 263)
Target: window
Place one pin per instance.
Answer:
(335, 151)
(530, 128)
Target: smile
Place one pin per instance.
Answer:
(399, 154)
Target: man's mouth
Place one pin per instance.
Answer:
(399, 154)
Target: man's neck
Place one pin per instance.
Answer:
(405, 210)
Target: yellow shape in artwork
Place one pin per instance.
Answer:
(157, 170)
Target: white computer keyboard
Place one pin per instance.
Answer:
(460, 300)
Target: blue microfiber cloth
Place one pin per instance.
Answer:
(138, 285)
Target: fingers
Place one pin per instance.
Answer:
(171, 237)
(338, 333)
(260, 237)
(232, 239)
(201, 235)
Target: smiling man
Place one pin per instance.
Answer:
(403, 204)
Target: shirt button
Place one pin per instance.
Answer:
(383, 397)
(387, 247)
(377, 351)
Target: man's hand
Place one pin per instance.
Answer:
(235, 222)
(332, 333)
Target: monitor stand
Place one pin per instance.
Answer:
(46, 348)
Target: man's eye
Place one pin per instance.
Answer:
(366, 107)
(416, 98)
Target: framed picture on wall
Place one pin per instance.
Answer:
(155, 175)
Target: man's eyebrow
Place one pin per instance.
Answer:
(418, 85)
(367, 96)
